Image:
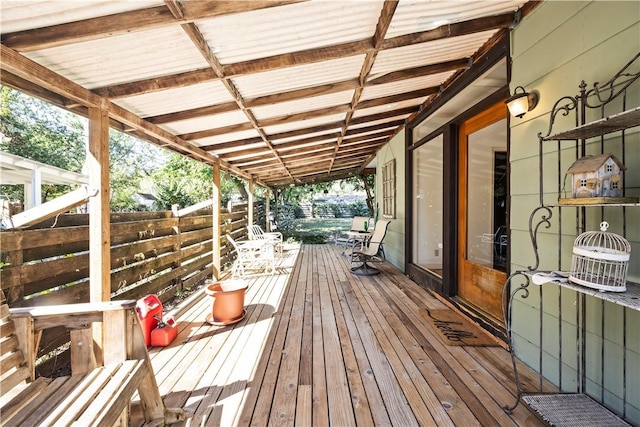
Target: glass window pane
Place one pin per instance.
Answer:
(427, 206)
(486, 196)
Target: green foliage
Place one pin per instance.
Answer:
(182, 181)
(185, 182)
(359, 208)
(132, 161)
(43, 133)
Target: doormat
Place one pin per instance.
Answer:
(454, 329)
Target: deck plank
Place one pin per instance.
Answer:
(348, 342)
(337, 382)
(321, 346)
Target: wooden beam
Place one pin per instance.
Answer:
(252, 153)
(346, 142)
(306, 131)
(386, 115)
(215, 228)
(304, 142)
(427, 70)
(99, 212)
(379, 126)
(290, 118)
(376, 102)
(451, 30)
(302, 93)
(298, 58)
(308, 149)
(231, 144)
(156, 84)
(126, 22)
(193, 208)
(217, 131)
(50, 209)
(250, 206)
(267, 209)
(193, 113)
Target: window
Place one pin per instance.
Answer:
(428, 195)
(609, 168)
(389, 189)
(583, 183)
(614, 185)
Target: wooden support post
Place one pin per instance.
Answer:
(99, 216)
(267, 205)
(250, 207)
(215, 212)
(99, 224)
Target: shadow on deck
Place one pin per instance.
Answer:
(321, 346)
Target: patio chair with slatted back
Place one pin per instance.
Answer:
(256, 233)
(362, 258)
(252, 255)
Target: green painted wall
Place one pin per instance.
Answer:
(394, 240)
(553, 49)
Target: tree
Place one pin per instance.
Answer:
(40, 132)
(132, 162)
(366, 183)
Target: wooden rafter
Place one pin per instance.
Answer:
(352, 140)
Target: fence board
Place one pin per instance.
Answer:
(152, 252)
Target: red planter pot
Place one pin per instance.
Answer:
(227, 305)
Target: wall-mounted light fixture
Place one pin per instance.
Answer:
(521, 102)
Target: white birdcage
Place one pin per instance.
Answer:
(601, 260)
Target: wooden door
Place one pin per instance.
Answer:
(482, 213)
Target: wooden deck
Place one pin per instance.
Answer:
(320, 346)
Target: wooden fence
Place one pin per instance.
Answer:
(151, 253)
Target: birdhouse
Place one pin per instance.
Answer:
(596, 176)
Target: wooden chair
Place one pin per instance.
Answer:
(102, 382)
(372, 252)
(252, 255)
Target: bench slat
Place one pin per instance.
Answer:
(14, 378)
(41, 413)
(13, 360)
(21, 418)
(74, 403)
(9, 342)
(22, 399)
(114, 398)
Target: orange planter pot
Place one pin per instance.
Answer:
(227, 305)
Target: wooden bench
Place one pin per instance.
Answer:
(102, 382)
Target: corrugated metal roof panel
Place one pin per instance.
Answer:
(19, 15)
(299, 77)
(123, 58)
(178, 99)
(302, 105)
(206, 122)
(414, 16)
(227, 137)
(388, 107)
(402, 86)
(296, 27)
(429, 53)
(225, 151)
(286, 127)
(306, 135)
